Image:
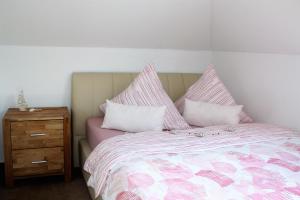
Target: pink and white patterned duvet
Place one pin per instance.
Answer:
(248, 161)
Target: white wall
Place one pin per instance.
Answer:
(266, 80)
(45, 72)
(260, 26)
(268, 84)
(265, 83)
(168, 24)
(51, 40)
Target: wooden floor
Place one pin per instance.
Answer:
(51, 188)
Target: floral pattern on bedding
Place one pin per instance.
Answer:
(256, 168)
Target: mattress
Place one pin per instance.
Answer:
(96, 134)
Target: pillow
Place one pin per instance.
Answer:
(209, 88)
(199, 113)
(147, 90)
(133, 118)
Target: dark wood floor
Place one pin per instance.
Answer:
(47, 188)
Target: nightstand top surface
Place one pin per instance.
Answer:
(45, 113)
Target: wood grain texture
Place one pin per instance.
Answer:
(7, 153)
(37, 134)
(37, 125)
(46, 113)
(37, 143)
(67, 148)
(38, 161)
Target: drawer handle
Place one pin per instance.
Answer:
(37, 134)
(39, 161)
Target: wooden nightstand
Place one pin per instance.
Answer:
(37, 143)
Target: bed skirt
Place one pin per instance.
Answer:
(84, 152)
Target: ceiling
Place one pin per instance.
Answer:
(166, 24)
(260, 26)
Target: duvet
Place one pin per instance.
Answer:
(247, 161)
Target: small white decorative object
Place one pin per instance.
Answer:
(22, 104)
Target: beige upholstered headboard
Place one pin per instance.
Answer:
(89, 90)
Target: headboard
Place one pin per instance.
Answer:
(89, 90)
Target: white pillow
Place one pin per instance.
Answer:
(199, 113)
(133, 118)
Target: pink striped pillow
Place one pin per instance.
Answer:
(210, 88)
(147, 90)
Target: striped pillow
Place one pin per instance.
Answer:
(147, 90)
(210, 88)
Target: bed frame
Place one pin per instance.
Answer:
(89, 90)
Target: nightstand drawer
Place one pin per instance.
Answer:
(39, 125)
(36, 134)
(38, 161)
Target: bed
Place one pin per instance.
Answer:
(245, 161)
(90, 89)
